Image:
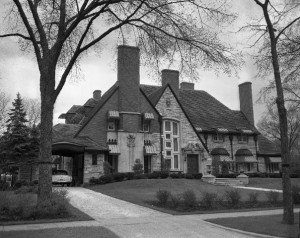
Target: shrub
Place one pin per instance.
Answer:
(294, 175)
(275, 175)
(224, 167)
(154, 175)
(163, 197)
(209, 200)
(106, 168)
(296, 194)
(197, 176)
(106, 178)
(140, 176)
(273, 197)
(129, 175)
(118, 177)
(4, 185)
(138, 167)
(226, 175)
(189, 198)
(26, 189)
(175, 175)
(263, 175)
(189, 176)
(253, 197)
(93, 180)
(20, 183)
(4, 203)
(232, 197)
(164, 174)
(175, 201)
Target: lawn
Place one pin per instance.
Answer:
(144, 191)
(269, 225)
(272, 183)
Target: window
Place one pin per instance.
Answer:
(146, 125)
(168, 102)
(172, 145)
(242, 138)
(218, 137)
(111, 125)
(94, 159)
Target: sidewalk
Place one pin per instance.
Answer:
(259, 189)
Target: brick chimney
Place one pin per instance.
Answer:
(246, 102)
(187, 86)
(171, 77)
(97, 95)
(129, 78)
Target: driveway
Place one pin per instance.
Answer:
(129, 220)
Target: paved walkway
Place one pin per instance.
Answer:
(259, 189)
(129, 220)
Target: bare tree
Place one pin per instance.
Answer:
(268, 125)
(4, 101)
(278, 18)
(61, 31)
(33, 111)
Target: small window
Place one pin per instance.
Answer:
(168, 102)
(175, 129)
(218, 137)
(168, 136)
(175, 142)
(94, 159)
(168, 144)
(167, 126)
(111, 125)
(146, 126)
(242, 138)
(175, 161)
(168, 153)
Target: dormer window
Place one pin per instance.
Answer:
(147, 117)
(111, 125)
(146, 126)
(112, 120)
(218, 137)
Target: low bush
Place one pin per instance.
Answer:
(118, 177)
(129, 175)
(294, 175)
(163, 197)
(226, 175)
(189, 176)
(189, 198)
(197, 176)
(4, 185)
(20, 183)
(209, 200)
(106, 179)
(106, 168)
(262, 175)
(164, 175)
(273, 197)
(296, 194)
(253, 175)
(175, 201)
(26, 189)
(138, 167)
(154, 175)
(140, 176)
(93, 180)
(175, 175)
(232, 197)
(253, 197)
(275, 175)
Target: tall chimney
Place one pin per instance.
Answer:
(97, 95)
(171, 77)
(129, 78)
(246, 103)
(187, 86)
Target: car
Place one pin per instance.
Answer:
(61, 177)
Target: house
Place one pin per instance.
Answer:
(171, 126)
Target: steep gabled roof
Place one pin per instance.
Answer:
(267, 147)
(99, 105)
(64, 133)
(204, 110)
(74, 109)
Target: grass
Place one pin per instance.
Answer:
(269, 225)
(271, 183)
(143, 191)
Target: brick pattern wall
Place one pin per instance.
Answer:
(92, 170)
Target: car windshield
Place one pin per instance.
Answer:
(59, 172)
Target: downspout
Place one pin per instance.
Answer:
(161, 142)
(231, 148)
(255, 141)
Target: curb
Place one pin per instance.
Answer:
(242, 232)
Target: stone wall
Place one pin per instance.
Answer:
(92, 170)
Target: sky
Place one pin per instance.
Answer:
(19, 72)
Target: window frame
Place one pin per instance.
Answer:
(218, 137)
(241, 137)
(94, 159)
(111, 122)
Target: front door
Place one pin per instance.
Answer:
(192, 164)
(147, 164)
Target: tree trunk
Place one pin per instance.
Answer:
(45, 163)
(288, 207)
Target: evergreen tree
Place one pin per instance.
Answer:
(15, 142)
